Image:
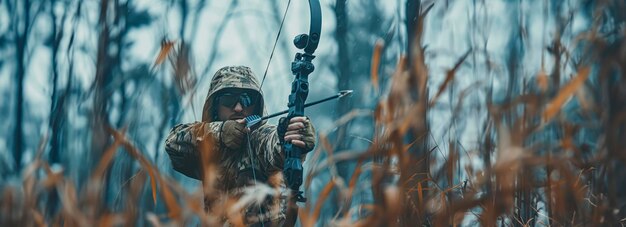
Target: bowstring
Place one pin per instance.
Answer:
(282, 22)
(249, 148)
(253, 164)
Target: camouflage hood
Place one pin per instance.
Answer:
(231, 77)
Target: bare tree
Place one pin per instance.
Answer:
(21, 16)
(417, 174)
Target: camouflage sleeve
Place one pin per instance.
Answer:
(181, 145)
(268, 148)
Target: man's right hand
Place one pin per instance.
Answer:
(233, 133)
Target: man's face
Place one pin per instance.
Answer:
(233, 104)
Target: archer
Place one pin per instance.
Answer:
(245, 155)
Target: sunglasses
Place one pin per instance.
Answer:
(231, 99)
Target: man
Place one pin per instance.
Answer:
(244, 156)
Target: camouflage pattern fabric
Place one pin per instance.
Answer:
(237, 169)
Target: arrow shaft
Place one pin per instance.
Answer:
(305, 105)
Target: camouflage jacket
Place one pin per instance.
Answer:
(258, 160)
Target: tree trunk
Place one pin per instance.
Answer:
(100, 138)
(343, 105)
(21, 38)
(415, 173)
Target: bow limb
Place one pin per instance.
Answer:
(315, 28)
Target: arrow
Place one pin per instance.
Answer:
(255, 119)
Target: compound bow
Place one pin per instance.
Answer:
(301, 67)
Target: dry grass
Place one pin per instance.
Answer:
(527, 178)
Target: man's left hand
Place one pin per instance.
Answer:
(301, 133)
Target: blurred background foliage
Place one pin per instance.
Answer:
(464, 112)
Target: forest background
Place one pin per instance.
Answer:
(464, 111)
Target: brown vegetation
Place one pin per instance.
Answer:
(537, 167)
